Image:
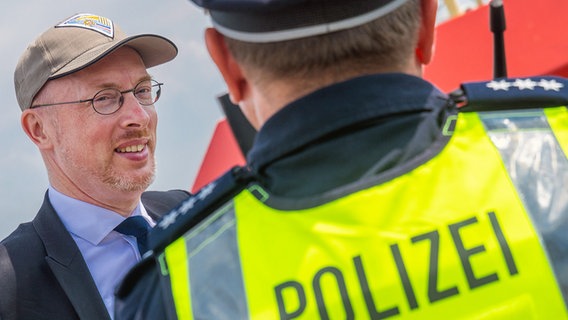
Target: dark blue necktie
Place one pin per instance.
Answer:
(138, 227)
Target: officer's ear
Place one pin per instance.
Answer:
(227, 65)
(425, 46)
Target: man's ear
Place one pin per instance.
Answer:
(35, 127)
(425, 47)
(229, 68)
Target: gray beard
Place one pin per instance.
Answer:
(122, 183)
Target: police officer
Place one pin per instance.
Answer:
(369, 194)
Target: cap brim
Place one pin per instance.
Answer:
(153, 49)
(299, 20)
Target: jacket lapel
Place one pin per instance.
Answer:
(158, 203)
(68, 265)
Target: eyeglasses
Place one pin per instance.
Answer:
(109, 101)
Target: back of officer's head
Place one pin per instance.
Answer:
(297, 38)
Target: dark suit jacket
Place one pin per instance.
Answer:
(43, 274)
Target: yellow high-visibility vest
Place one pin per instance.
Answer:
(467, 234)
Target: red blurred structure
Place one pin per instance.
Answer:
(535, 40)
(222, 154)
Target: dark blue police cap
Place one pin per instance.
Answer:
(279, 20)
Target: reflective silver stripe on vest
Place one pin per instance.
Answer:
(214, 258)
(539, 170)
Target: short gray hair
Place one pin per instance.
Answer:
(386, 42)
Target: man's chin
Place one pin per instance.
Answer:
(131, 184)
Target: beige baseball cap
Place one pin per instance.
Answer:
(76, 43)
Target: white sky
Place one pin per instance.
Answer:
(187, 109)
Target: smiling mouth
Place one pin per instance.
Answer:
(131, 149)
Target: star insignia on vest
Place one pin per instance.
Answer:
(499, 85)
(187, 205)
(206, 191)
(168, 219)
(550, 85)
(90, 21)
(525, 84)
(512, 93)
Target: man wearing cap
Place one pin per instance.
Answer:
(87, 102)
(366, 194)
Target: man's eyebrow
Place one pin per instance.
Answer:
(107, 85)
(146, 77)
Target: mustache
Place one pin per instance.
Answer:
(134, 134)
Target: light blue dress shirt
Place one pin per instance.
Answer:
(108, 254)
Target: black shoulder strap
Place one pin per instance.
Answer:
(197, 207)
(513, 93)
(8, 291)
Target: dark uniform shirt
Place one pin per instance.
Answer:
(345, 132)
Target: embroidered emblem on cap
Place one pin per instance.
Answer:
(91, 22)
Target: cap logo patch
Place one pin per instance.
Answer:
(91, 22)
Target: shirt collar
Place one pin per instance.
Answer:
(339, 106)
(87, 221)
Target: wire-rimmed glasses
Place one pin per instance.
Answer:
(109, 101)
